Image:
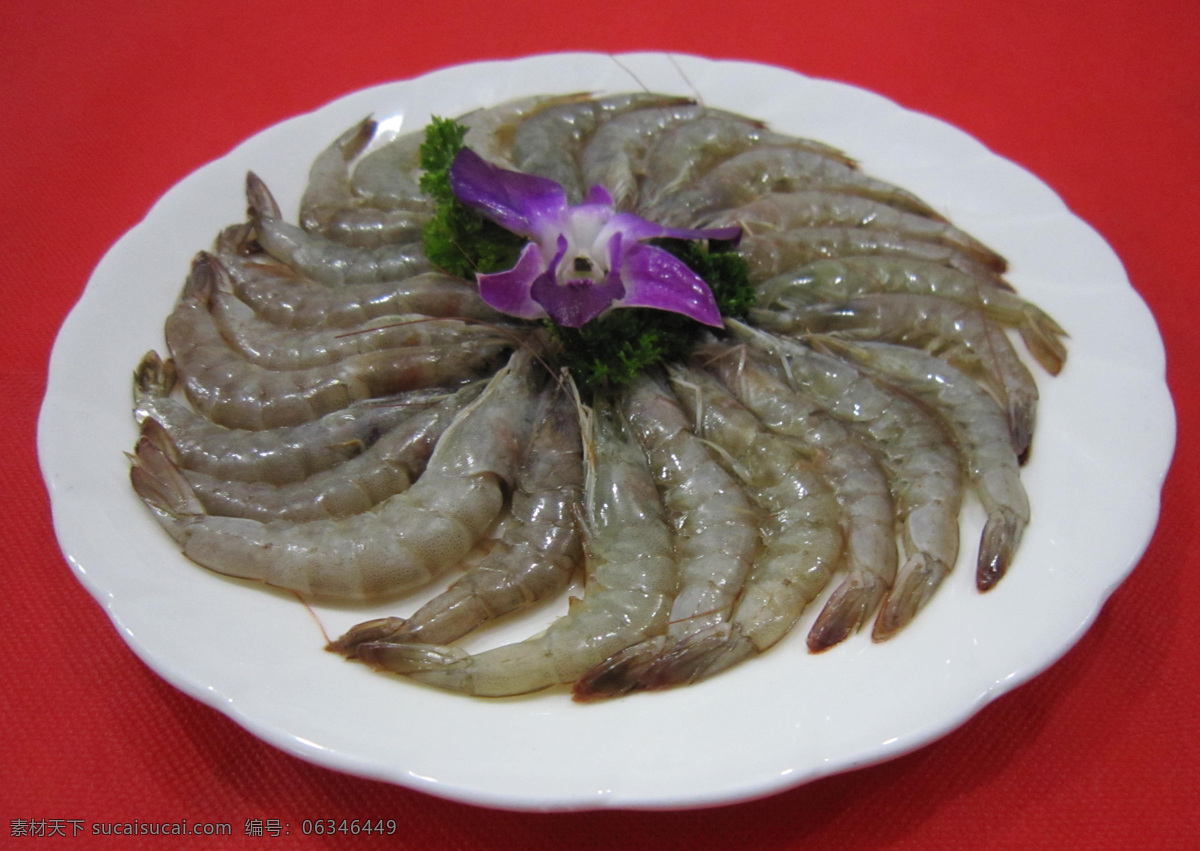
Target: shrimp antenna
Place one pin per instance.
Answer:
(628, 71)
(679, 69)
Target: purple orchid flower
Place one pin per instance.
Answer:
(581, 260)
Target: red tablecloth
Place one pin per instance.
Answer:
(103, 107)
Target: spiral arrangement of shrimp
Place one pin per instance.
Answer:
(339, 418)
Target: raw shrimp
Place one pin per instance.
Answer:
(773, 252)
(958, 333)
(490, 131)
(750, 175)
(684, 155)
(275, 456)
(630, 581)
(274, 347)
(785, 211)
(717, 537)
(389, 466)
(236, 393)
(922, 462)
(535, 556)
(613, 157)
(979, 429)
(802, 549)
(387, 178)
(328, 189)
(859, 484)
(398, 545)
(548, 142)
(849, 277)
(279, 296)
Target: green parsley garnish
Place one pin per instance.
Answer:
(459, 240)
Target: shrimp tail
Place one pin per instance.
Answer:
(160, 484)
(917, 580)
(845, 613)
(401, 658)
(1043, 337)
(259, 200)
(154, 376)
(367, 632)
(699, 656)
(621, 673)
(1001, 534)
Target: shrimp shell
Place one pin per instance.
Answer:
(387, 467)
(686, 154)
(537, 552)
(630, 581)
(759, 171)
(549, 142)
(396, 546)
(959, 334)
(280, 296)
(849, 277)
(979, 427)
(859, 483)
(771, 253)
(236, 393)
(275, 456)
(785, 211)
(922, 463)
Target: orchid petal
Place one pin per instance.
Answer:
(658, 279)
(599, 195)
(522, 203)
(509, 292)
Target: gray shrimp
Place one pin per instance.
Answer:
(280, 296)
(772, 252)
(276, 456)
(328, 189)
(398, 545)
(389, 466)
(325, 260)
(491, 131)
(236, 393)
(683, 156)
(922, 463)
(784, 211)
(758, 171)
(960, 334)
(331, 208)
(538, 550)
(279, 348)
(388, 177)
(849, 277)
(980, 432)
(548, 143)
(629, 584)
(859, 483)
(614, 156)
(802, 549)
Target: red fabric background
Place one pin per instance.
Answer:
(103, 107)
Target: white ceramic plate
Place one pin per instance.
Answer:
(1104, 444)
